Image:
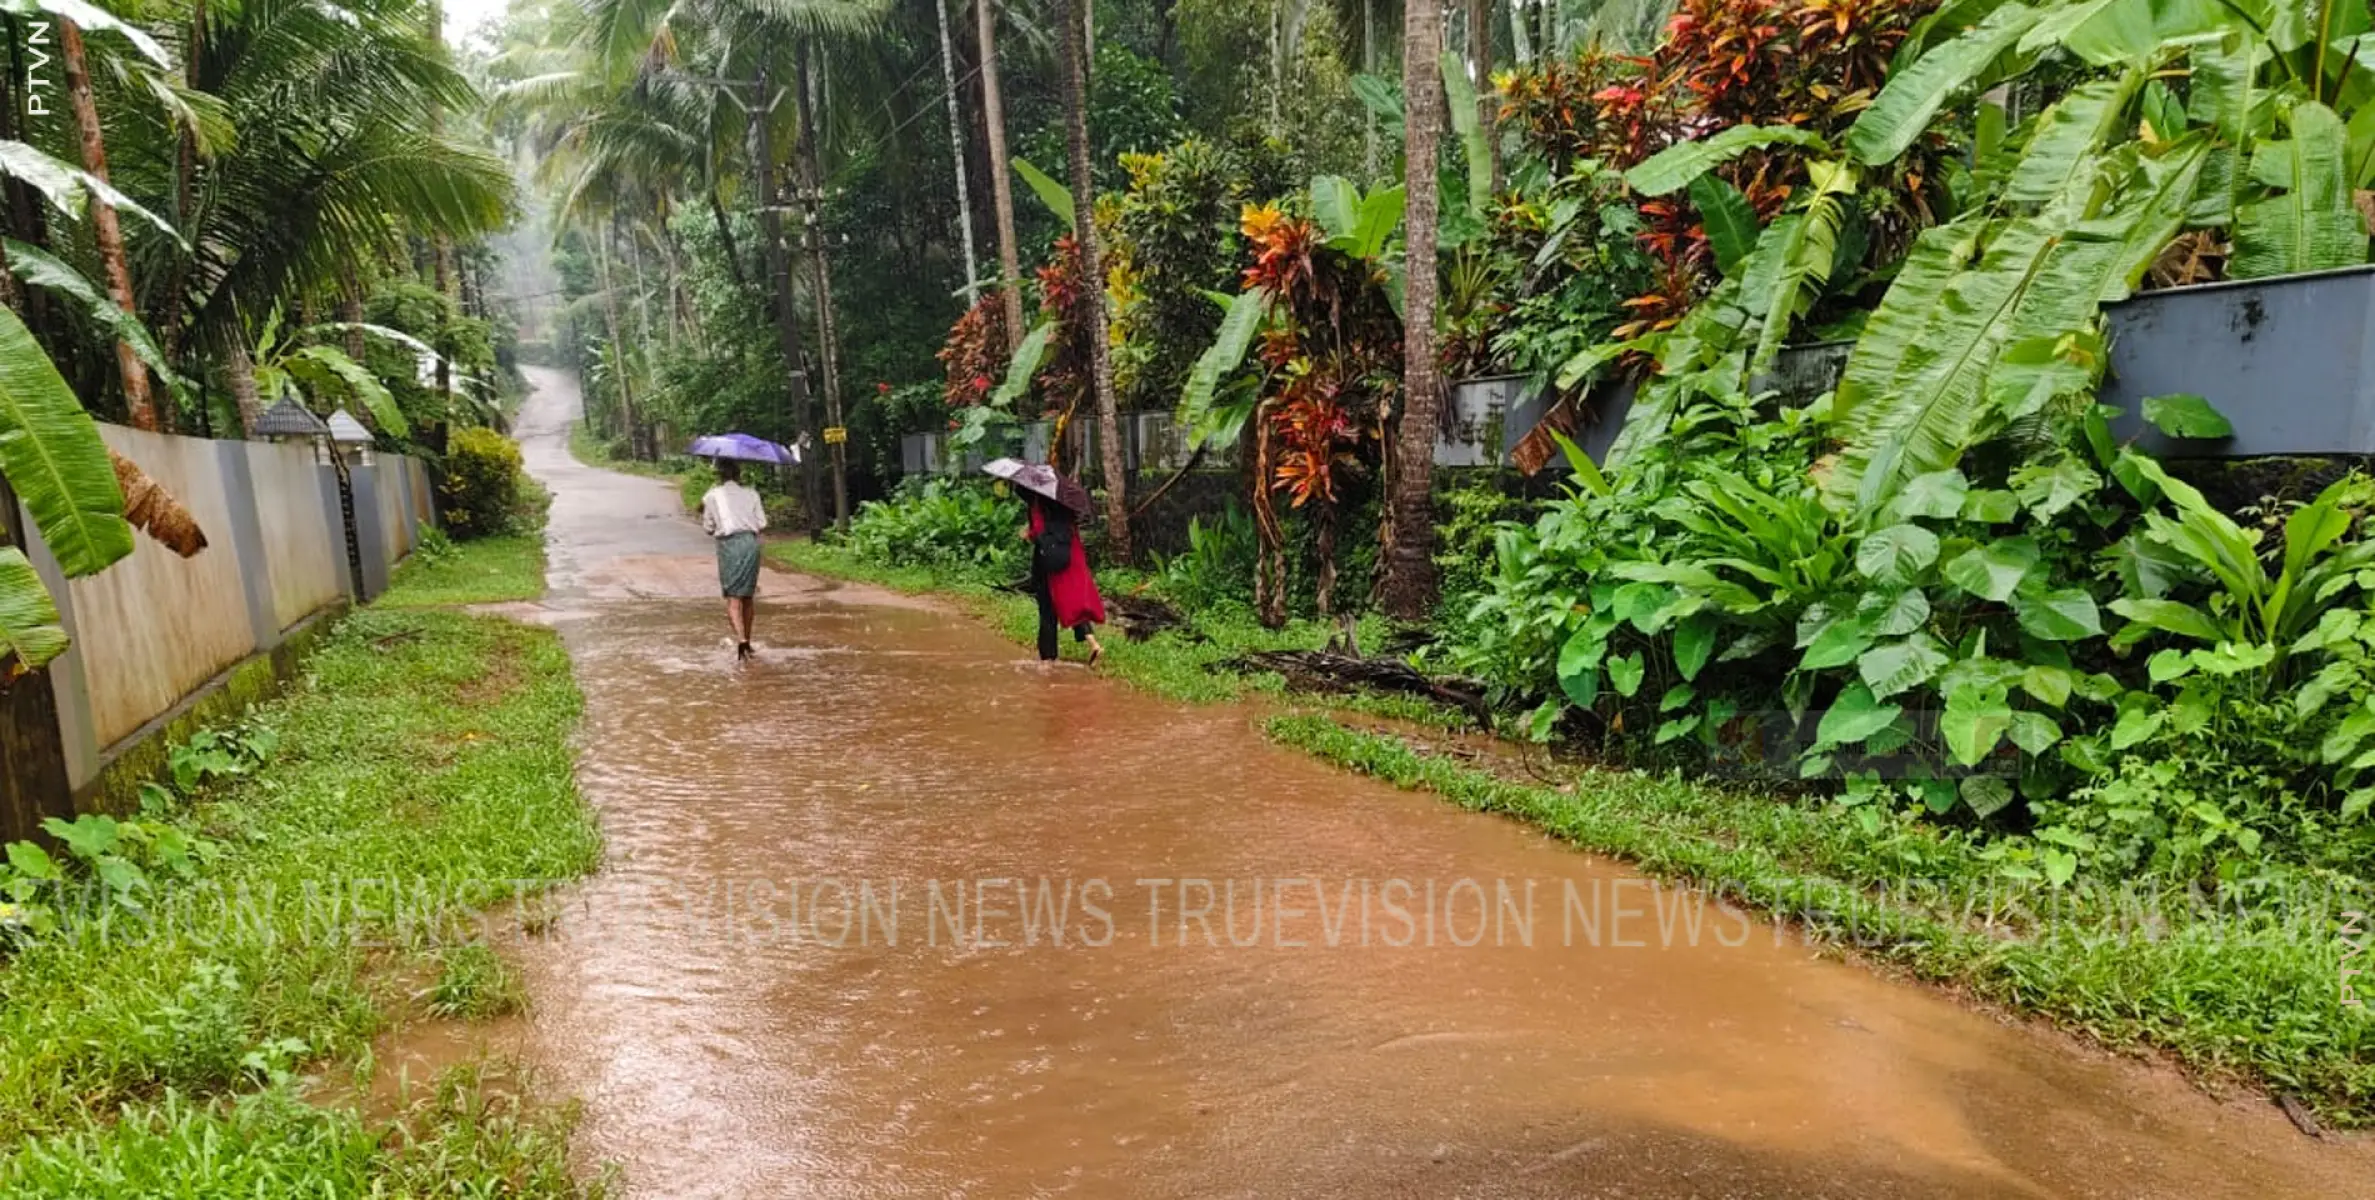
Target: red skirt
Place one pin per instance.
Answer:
(1073, 589)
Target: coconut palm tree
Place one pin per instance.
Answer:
(1409, 582)
(993, 117)
(1072, 39)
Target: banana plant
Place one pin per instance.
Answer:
(287, 367)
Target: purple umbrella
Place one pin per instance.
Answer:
(744, 447)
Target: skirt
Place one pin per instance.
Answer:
(738, 564)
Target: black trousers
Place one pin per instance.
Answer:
(1048, 629)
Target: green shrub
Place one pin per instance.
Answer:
(963, 527)
(482, 482)
(1218, 565)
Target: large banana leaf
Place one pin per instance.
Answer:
(325, 367)
(51, 454)
(1673, 168)
(91, 17)
(29, 629)
(2311, 225)
(42, 269)
(1460, 96)
(1905, 107)
(1730, 221)
(1805, 244)
(1937, 257)
(2061, 154)
(1023, 365)
(1228, 349)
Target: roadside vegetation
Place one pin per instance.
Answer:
(174, 982)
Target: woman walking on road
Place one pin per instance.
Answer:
(731, 513)
(1060, 577)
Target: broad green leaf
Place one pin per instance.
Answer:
(1935, 494)
(1024, 365)
(29, 628)
(1938, 255)
(1803, 248)
(1894, 667)
(1731, 223)
(1991, 506)
(1894, 615)
(1381, 96)
(1227, 352)
(1676, 697)
(2168, 666)
(1625, 674)
(2230, 658)
(1986, 794)
(1336, 203)
(2140, 716)
(1856, 715)
(2035, 372)
(2048, 488)
(2164, 616)
(2164, 115)
(41, 269)
(1381, 215)
(94, 19)
(1915, 95)
(2034, 733)
(1460, 107)
(2061, 154)
(1839, 643)
(2186, 416)
(2063, 615)
(1587, 362)
(1694, 640)
(2225, 92)
(1677, 727)
(1897, 554)
(1975, 720)
(51, 453)
(1673, 168)
(68, 187)
(1993, 571)
(31, 861)
(319, 364)
(2049, 685)
(1055, 196)
(2312, 225)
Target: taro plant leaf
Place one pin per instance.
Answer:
(2312, 225)
(1986, 794)
(1676, 697)
(1579, 662)
(1025, 364)
(42, 269)
(1227, 352)
(2048, 488)
(2186, 416)
(1625, 674)
(1914, 95)
(67, 187)
(2232, 658)
(2033, 732)
(1731, 222)
(1460, 95)
(1897, 554)
(1055, 196)
(51, 453)
(1896, 666)
(1975, 720)
(1895, 615)
(1839, 643)
(1854, 716)
(2140, 716)
(1991, 506)
(1935, 494)
(2061, 615)
(1993, 571)
(29, 628)
(1694, 640)
(1673, 168)
(31, 861)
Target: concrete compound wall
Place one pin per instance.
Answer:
(155, 634)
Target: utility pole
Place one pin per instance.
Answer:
(812, 196)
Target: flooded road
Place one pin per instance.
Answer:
(893, 911)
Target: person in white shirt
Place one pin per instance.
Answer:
(731, 513)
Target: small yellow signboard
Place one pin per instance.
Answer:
(835, 435)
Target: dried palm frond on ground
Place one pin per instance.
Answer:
(153, 510)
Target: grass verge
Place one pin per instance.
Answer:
(2241, 985)
(152, 1044)
(487, 570)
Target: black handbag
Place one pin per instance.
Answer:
(1051, 551)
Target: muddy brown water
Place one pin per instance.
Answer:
(822, 958)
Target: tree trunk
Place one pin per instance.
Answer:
(1092, 290)
(622, 372)
(141, 411)
(1010, 271)
(350, 310)
(1480, 57)
(1368, 116)
(1520, 38)
(1410, 519)
(956, 147)
(725, 235)
(242, 371)
(185, 171)
(827, 352)
(787, 311)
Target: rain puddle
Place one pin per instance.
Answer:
(883, 915)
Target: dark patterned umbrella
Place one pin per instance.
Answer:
(1043, 480)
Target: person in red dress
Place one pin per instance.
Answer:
(1060, 578)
